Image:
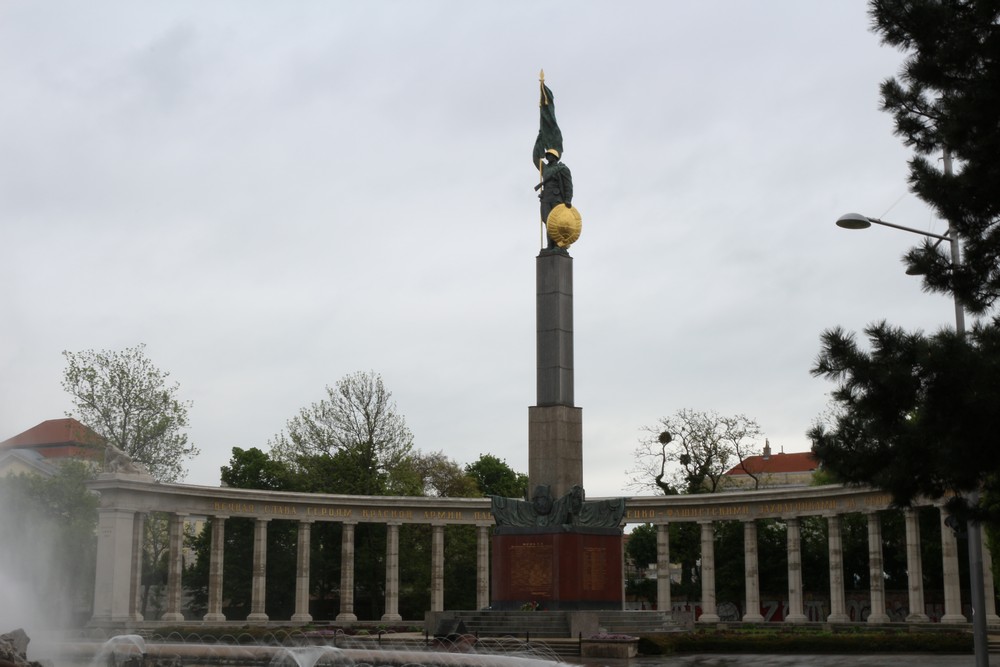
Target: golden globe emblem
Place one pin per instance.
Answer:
(564, 225)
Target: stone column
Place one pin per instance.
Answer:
(838, 607)
(391, 573)
(112, 578)
(347, 573)
(175, 566)
(555, 425)
(752, 608)
(708, 609)
(914, 568)
(135, 580)
(795, 613)
(876, 573)
(482, 567)
(258, 585)
(215, 563)
(302, 555)
(991, 593)
(437, 568)
(952, 585)
(663, 602)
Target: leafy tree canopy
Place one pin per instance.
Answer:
(494, 477)
(948, 97)
(357, 423)
(126, 400)
(916, 414)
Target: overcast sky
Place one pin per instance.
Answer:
(273, 195)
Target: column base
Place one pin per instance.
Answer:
(753, 618)
(954, 618)
(992, 619)
(918, 618)
(257, 618)
(837, 618)
(172, 617)
(709, 618)
(796, 618)
(214, 618)
(136, 618)
(878, 618)
(391, 617)
(346, 616)
(302, 618)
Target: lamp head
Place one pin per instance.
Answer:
(853, 221)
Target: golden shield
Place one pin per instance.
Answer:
(564, 225)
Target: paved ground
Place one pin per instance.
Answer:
(795, 661)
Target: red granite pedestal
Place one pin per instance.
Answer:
(557, 568)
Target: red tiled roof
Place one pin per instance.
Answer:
(54, 432)
(776, 463)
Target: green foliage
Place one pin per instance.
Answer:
(124, 398)
(948, 96)
(439, 476)
(48, 546)
(917, 414)
(254, 469)
(358, 424)
(641, 545)
(495, 478)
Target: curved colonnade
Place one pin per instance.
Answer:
(125, 499)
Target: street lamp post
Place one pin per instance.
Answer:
(977, 594)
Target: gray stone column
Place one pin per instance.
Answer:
(258, 585)
(914, 568)
(175, 568)
(135, 580)
(708, 609)
(555, 425)
(215, 562)
(302, 556)
(838, 606)
(112, 578)
(347, 573)
(663, 601)
(795, 613)
(437, 568)
(876, 570)
(752, 572)
(482, 567)
(988, 583)
(952, 584)
(391, 573)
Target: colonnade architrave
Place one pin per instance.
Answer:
(126, 499)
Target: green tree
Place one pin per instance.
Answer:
(495, 478)
(358, 424)
(916, 414)
(640, 550)
(948, 97)
(691, 451)
(442, 477)
(48, 547)
(126, 400)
